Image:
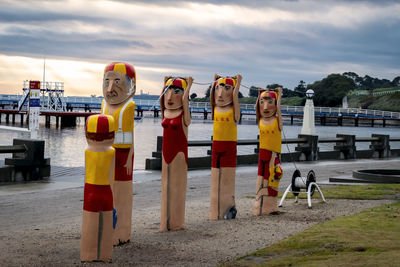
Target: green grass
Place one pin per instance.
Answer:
(292, 101)
(248, 100)
(370, 238)
(389, 102)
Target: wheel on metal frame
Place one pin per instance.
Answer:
(295, 189)
(311, 179)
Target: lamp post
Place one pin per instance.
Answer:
(308, 116)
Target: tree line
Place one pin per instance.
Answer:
(329, 91)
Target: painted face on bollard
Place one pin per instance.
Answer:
(173, 97)
(223, 94)
(267, 104)
(115, 88)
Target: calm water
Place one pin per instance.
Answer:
(66, 146)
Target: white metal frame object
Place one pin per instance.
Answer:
(309, 183)
(51, 96)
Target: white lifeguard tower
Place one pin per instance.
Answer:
(51, 96)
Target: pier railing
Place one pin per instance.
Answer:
(95, 102)
(307, 149)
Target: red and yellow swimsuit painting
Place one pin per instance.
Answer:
(97, 219)
(270, 141)
(225, 114)
(224, 140)
(174, 102)
(269, 169)
(124, 129)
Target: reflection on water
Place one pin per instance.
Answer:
(66, 146)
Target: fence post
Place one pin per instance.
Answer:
(309, 150)
(348, 147)
(155, 164)
(257, 149)
(380, 148)
(209, 152)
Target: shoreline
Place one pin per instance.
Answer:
(42, 227)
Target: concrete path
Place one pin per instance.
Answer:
(40, 221)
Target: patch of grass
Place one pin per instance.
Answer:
(370, 238)
(248, 100)
(389, 102)
(293, 101)
(370, 191)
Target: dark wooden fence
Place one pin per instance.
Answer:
(307, 149)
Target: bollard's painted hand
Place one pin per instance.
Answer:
(129, 163)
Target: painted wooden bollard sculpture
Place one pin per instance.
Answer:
(269, 118)
(97, 218)
(118, 89)
(225, 114)
(174, 102)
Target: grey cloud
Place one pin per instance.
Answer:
(286, 4)
(76, 46)
(283, 53)
(13, 15)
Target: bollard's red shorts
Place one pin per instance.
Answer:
(223, 154)
(121, 155)
(97, 198)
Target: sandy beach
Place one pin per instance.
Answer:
(41, 222)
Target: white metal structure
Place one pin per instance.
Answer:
(308, 183)
(51, 96)
(309, 116)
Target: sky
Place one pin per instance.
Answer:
(265, 41)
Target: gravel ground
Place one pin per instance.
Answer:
(42, 228)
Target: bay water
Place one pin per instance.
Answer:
(66, 146)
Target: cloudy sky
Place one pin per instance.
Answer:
(265, 41)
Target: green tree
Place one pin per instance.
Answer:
(396, 81)
(273, 86)
(330, 91)
(208, 92)
(301, 88)
(193, 96)
(253, 91)
(290, 93)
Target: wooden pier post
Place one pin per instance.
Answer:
(67, 121)
(48, 119)
(323, 119)
(21, 116)
(291, 119)
(205, 114)
(57, 121)
(7, 118)
(13, 118)
(340, 120)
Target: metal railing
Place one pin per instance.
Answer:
(206, 105)
(307, 149)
